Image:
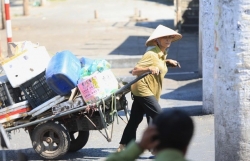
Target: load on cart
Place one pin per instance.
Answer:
(59, 99)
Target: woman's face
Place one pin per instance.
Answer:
(165, 41)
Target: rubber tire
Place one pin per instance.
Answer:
(79, 142)
(53, 131)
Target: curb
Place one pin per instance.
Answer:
(123, 61)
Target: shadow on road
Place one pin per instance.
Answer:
(90, 153)
(182, 76)
(188, 92)
(154, 24)
(166, 2)
(135, 45)
(83, 154)
(191, 110)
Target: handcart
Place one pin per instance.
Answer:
(53, 125)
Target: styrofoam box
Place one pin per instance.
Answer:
(98, 86)
(26, 65)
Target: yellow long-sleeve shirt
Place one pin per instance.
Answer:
(151, 84)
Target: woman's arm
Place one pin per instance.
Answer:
(140, 70)
(172, 63)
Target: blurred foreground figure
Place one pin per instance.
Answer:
(169, 137)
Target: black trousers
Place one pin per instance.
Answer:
(141, 105)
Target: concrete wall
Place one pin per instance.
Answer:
(232, 80)
(206, 48)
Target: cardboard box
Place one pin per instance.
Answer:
(98, 86)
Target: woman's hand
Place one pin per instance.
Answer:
(154, 70)
(140, 70)
(172, 63)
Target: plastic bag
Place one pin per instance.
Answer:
(84, 72)
(99, 65)
(86, 62)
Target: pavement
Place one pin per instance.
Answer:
(117, 31)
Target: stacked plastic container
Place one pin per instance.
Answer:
(33, 78)
(13, 103)
(26, 70)
(41, 78)
(8, 94)
(26, 65)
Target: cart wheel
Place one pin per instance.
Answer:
(78, 140)
(50, 140)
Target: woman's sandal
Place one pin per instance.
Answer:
(120, 148)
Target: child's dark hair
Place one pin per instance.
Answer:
(175, 129)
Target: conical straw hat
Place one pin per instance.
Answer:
(162, 31)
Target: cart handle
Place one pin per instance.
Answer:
(132, 82)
